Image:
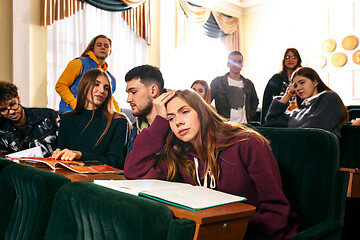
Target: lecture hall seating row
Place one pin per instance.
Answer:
(308, 160)
(316, 188)
(38, 204)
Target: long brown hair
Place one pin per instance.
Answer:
(283, 72)
(86, 85)
(314, 76)
(90, 46)
(207, 89)
(214, 135)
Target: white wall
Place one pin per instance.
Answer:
(21, 51)
(28, 56)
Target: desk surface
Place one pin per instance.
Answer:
(73, 176)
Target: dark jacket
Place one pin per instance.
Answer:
(325, 112)
(276, 86)
(77, 132)
(220, 92)
(42, 127)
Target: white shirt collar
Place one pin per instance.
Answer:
(308, 101)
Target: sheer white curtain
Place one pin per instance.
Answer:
(195, 55)
(67, 39)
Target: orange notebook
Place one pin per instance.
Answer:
(91, 166)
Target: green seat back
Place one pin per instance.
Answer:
(4, 163)
(350, 147)
(349, 107)
(308, 160)
(88, 211)
(26, 200)
(354, 113)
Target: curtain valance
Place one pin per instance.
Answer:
(226, 23)
(212, 29)
(108, 5)
(133, 3)
(139, 20)
(216, 24)
(135, 12)
(208, 17)
(195, 13)
(54, 10)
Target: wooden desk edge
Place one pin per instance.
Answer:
(351, 170)
(215, 214)
(354, 182)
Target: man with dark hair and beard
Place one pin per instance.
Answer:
(144, 84)
(23, 128)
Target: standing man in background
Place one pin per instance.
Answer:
(235, 96)
(94, 56)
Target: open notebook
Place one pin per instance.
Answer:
(179, 194)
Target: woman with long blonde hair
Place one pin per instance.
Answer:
(93, 131)
(188, 140)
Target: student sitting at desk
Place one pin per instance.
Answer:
(317, 105)
(23, 128)
(93, 131)
(189, 140)
(203, 89)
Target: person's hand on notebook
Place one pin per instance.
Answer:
(66, 154)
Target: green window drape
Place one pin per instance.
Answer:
(108, 5)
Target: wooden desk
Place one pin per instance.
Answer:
(354, 182)
(223, 222)
(73, 176)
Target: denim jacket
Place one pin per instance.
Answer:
(42, 127)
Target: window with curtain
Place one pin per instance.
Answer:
(67, 39)
(195, 56)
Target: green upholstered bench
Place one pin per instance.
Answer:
(26, 200)
(349, 107)
(4, 163)
(354, 113)
(350, 160)
(88, 211)
(308, 160)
